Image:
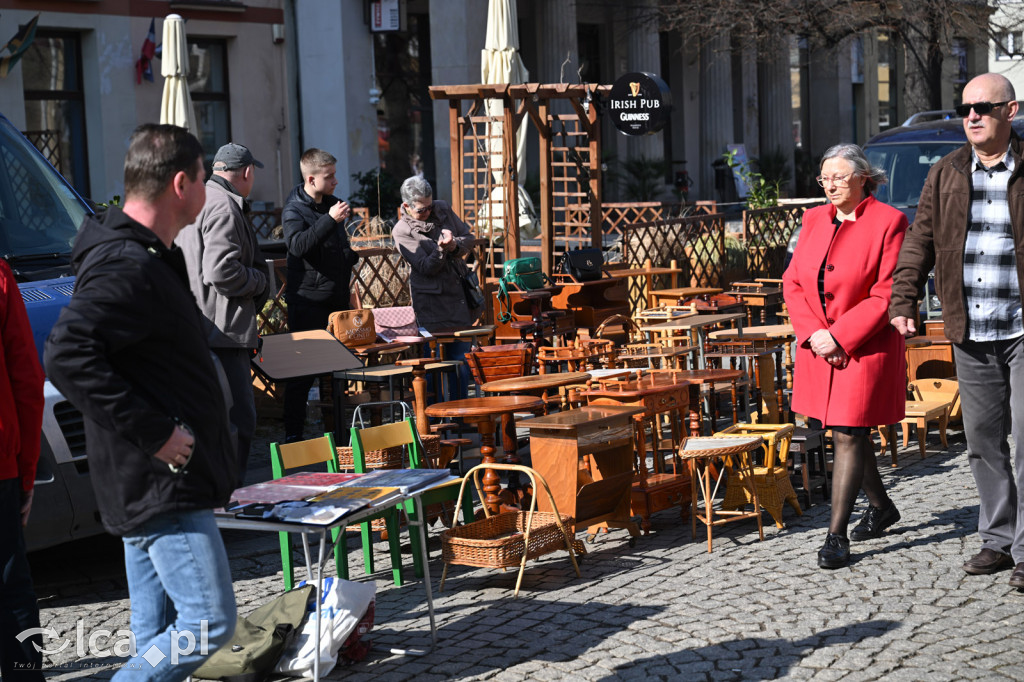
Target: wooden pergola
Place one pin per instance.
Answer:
(484, 159)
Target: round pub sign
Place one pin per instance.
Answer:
(640, 103)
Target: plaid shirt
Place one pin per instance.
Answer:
(990, 267)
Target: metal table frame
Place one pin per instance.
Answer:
(315, 571)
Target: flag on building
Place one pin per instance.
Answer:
(144, 67)
(17, 45)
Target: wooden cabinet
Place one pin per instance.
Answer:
(586, 457)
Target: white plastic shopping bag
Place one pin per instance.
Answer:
(342, 604)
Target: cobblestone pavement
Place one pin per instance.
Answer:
(666, 609)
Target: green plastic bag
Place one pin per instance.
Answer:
(259, 639)
(525, 275)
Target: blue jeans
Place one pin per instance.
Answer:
(18, 609)
(179, 583)
(991, 381)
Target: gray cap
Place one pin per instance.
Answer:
(232, 156)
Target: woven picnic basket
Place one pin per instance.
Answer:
(391, 458)
(510, 538)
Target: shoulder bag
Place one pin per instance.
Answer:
(354, 328)
(523, 274)
(583, 265)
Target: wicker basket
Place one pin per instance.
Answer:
(497, 541)
(390, 458)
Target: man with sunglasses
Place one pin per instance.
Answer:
(970, 228)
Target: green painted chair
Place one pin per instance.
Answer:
(287, 456)
(403, 434)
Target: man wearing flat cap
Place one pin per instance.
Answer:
(230, 280)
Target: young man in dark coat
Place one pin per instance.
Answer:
(320, 262)
(130, 353)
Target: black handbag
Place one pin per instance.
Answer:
(583, 265)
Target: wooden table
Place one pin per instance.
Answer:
(481, 413)
(679, 294)
(387, 374)
(586, 457)
(757, 295)
(302, 354)
(695, 323)
(782, 333)
(537, 385)
(667, 355)
(697, 377)
(653, 395)
(648, 272)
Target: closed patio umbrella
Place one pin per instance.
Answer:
(500, 63)
(176, 105)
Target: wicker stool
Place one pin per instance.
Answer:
(770, 478)
(700, 452)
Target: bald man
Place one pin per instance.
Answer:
(970, 228)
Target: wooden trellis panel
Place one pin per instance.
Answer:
(381, 278)
(265, 222)
(766, 233)
(696, 242)
(570, 179)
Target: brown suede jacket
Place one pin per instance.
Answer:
(939, 232)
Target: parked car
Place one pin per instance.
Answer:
(906, 154)
(39, 217)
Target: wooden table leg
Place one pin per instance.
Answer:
(491, 480)
(419, 392)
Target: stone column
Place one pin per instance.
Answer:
(556, 41)
(776, 105)
(716, 120)
(643, 54)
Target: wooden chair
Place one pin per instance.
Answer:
(930, 400)
(771, 479)
(490, 363)
(403, 434)
(286, 456)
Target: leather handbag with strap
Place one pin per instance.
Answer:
(394, 322)
(583, 265)
(354, 328)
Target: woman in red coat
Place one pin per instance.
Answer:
(850, 369)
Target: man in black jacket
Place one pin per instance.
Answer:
(130, 353)
(320, 262)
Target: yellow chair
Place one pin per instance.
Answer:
(286, 456)
(771, 479)
(403, 434)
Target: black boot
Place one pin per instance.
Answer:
(875, 521)
(835, 553)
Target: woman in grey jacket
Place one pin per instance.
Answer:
(434, 241)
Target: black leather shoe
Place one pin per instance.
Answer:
(988, 561)
(835, 553)
(874, 522)
(1017, 578)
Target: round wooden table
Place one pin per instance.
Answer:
(536, 384)
(481, 413)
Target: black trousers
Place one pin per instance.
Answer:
(18, 608)
(302, 316)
